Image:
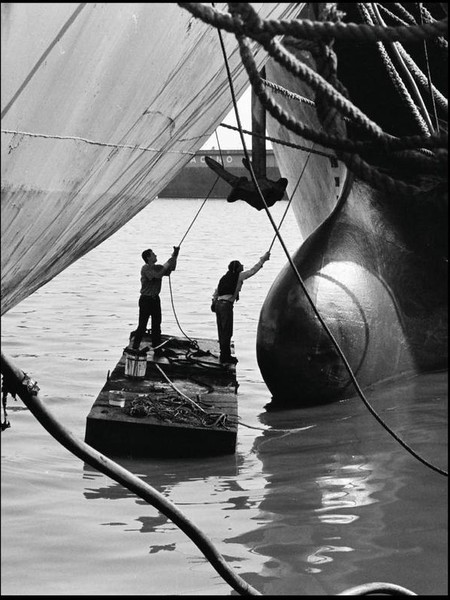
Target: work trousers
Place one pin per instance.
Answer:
(224, 318)
(149, 306)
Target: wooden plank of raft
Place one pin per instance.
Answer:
(186, 405)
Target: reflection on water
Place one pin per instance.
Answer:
(314, 501)
(347, 505)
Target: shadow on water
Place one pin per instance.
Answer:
(167, 472)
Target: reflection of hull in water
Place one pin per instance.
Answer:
(100, 109)
(374, 265)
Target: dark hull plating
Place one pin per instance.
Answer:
(383, 298)
(373, 263)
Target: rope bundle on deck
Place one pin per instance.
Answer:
(168, 407)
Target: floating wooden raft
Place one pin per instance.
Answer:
(186, 404)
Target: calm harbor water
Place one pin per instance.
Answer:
(329, 502)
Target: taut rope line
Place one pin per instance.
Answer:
(281, 142)
(434, 97)
(300, 280)
(96, 143)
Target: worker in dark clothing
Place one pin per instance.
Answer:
(226, 293)
(149, 300)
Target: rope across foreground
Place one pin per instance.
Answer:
(27, 390)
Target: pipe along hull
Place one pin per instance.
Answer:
(379, 287)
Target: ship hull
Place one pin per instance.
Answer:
(100, 109)
(373, 265)
(384, 303)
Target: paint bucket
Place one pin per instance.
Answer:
(135, 365)
(116, 398)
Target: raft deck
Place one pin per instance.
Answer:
(186, 404)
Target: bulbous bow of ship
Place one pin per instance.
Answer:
(382, 296)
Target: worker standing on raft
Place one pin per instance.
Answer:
(149, 300)
(226, 293)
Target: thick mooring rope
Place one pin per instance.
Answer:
(382, 140)
(313, 30)
(415, 105)
(354, 162)
(245, 23)
(130, 481)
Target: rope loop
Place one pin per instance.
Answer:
(344, 147)
(333, 104)
(314, 30)
(249, 18)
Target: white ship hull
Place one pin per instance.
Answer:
(102, 104)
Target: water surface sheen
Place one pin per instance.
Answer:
(314, 501)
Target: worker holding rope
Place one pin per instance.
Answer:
(223, 300)
(149, 300)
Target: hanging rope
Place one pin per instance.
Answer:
(234, 10)
(199, 210)
(287, 93)
(434, 97)
(194, 342)
(425, 82)
(383, 140)
(437, 165)
(416, 106)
